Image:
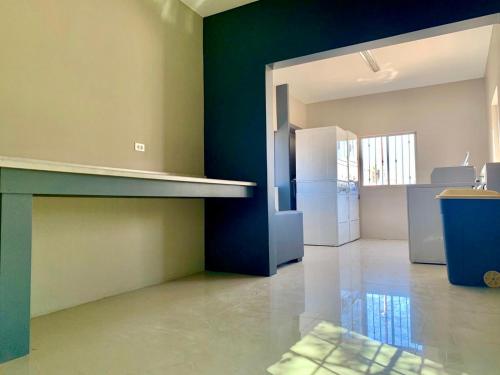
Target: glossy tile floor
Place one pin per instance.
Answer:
(358, 309)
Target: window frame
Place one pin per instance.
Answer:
(385, 135)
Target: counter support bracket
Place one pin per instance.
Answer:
(15, 274)
(18, 186)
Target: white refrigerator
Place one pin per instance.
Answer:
(327, 185)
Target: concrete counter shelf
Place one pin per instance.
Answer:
(21, 179)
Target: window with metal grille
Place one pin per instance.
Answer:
(388, 160)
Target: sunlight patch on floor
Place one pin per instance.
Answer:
(329, 349)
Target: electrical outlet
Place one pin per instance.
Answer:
(141, 147)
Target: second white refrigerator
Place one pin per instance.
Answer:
(327, 185)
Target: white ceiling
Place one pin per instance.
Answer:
(208, 7)
(445, 58)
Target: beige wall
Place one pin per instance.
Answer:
(449, 120)
(493, 85)
(80, 81)
(298, 112)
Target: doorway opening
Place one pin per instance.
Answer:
(369, 120)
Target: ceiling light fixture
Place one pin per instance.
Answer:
(370, 60)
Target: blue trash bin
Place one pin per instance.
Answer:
(471, 226)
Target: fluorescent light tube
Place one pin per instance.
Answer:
(370, 60)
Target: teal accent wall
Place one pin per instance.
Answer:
(237, 46)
